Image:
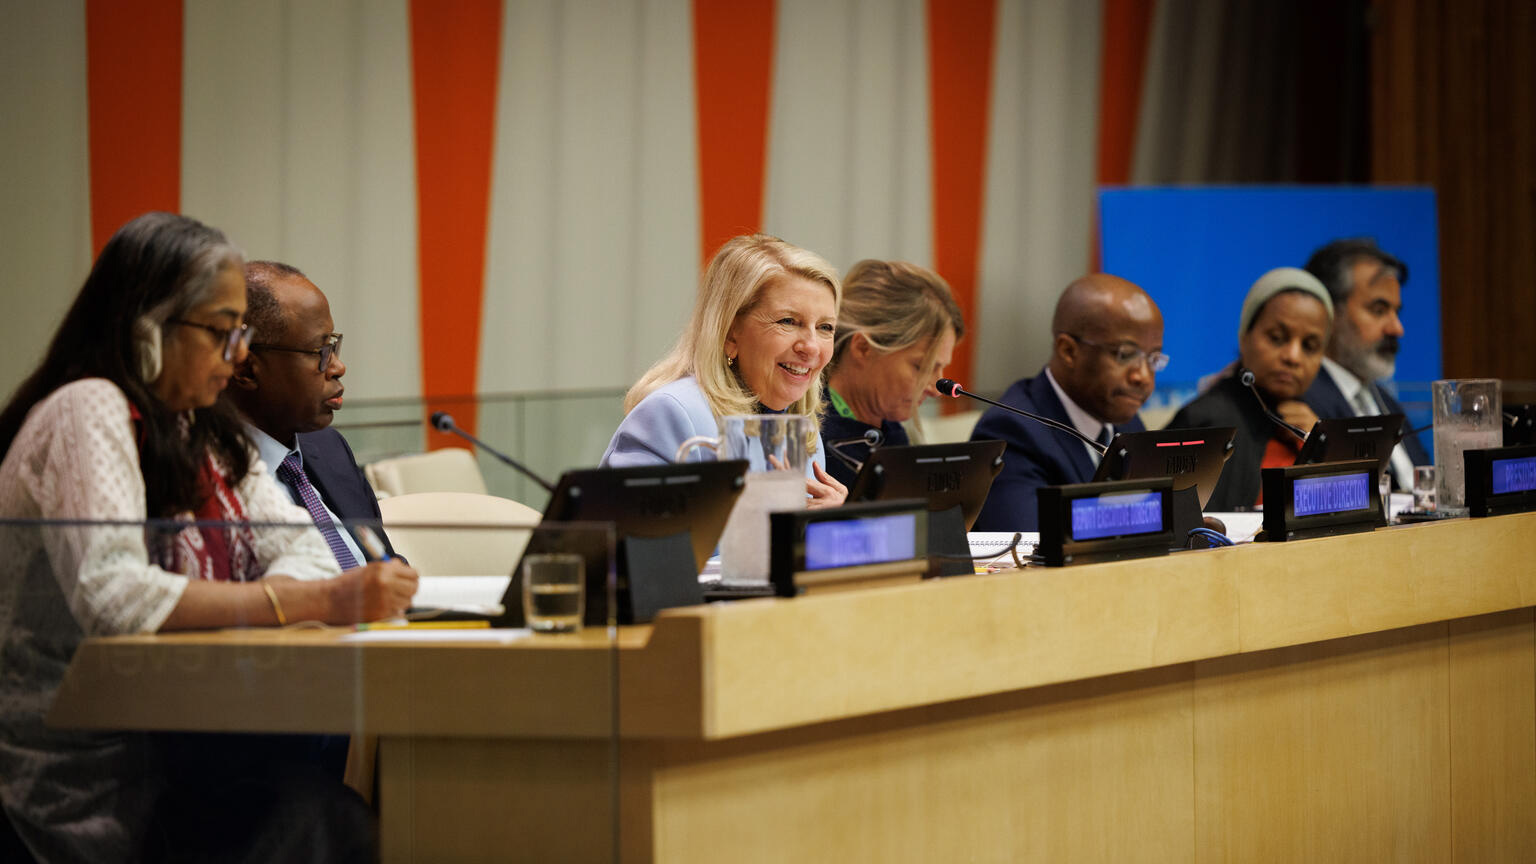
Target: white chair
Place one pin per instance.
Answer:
(949, 428)
(451, 469)
(488, 551)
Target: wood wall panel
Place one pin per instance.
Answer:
(1091, 771)
(1453, 83)
(1493, 737)
(1333, 751)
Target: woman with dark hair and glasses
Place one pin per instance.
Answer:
(120, 441)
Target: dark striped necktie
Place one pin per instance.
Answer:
(289, 472)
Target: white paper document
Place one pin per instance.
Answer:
(459, 592)
(418, 636)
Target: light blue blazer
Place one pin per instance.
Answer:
(651, 433)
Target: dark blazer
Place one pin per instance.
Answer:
(1328, 402)
(835, 427)
(1229, 403)
(335, 474)
(1037, 455)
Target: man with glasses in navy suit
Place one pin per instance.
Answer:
(1105, 355)
(289, 389)
(1366, 284)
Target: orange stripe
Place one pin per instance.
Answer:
(733, 68)
(455, 49)
(133, 81)
(1127, 25)
(960, 39)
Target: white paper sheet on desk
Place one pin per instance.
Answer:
(469, 634)
(454, 592)
(1241, 527)
(994, 544)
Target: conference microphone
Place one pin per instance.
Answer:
(442, 421)
(950, 387)
(1247, 378)
(872, 438)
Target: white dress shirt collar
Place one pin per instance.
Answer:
(1349, 385)
(270, 450)
(1082, 421)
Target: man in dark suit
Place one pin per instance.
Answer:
(1366, 285)
(289, 388)
(1104, 359)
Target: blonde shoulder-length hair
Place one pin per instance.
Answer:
(732, 284)
(896, 305)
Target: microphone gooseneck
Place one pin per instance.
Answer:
(442, 421)
(1247, 380)
(872, 438)
(950, 387)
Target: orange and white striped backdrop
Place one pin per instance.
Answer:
(513, 194)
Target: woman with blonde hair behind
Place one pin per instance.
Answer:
(761, 333)
(896, 331)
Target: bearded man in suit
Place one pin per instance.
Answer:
(1366, 284)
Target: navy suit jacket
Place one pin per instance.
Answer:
(1037, 455)
(335, 474)
(1328, 402)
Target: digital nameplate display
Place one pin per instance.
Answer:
(842, 544)
(1116, 515)
(1331, 493)
(1501, 480)
(1106, 521)
(1320, 500)
(871, 540)
(1514, 475)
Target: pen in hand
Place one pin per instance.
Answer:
(370, 543)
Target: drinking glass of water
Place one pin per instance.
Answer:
(776, 447)
(553, 601)
(1467, 417)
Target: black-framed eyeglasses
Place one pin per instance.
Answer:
(331, 348)
(1127, 353)
(231, 337)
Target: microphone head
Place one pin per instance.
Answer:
(948, 387)
(873, 437)
(1247, 377)
(442, 421)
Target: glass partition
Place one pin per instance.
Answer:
(465, 727)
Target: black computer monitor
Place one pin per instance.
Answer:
(667, 520)
(953, 478)
(1345, 438)
(1192, 457)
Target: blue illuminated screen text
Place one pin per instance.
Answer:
(870, 540)
(1514, 475)
(1117, 515)
(1337, 494)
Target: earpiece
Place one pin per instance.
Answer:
(146, 343)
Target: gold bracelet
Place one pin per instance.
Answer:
(282, 620)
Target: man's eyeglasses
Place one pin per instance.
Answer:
(231, 337)
(330, 349)
(1127, 353)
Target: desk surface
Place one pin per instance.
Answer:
(727, 670)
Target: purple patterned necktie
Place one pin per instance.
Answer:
(289, 472)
